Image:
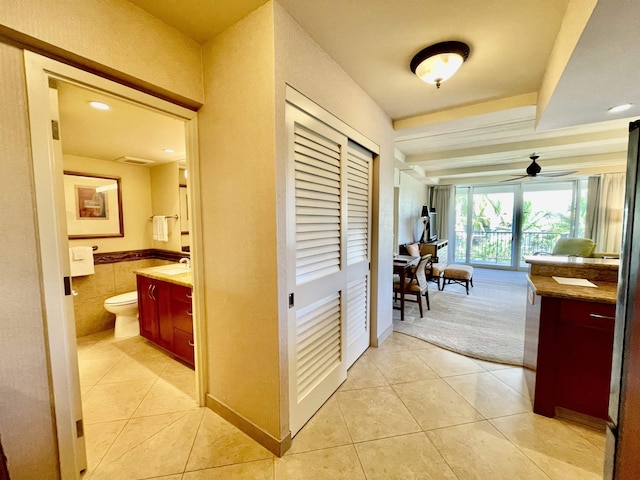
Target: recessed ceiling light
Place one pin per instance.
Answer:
(620, 108)
(169, 150)
(100, 105)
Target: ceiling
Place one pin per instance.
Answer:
(484, 123)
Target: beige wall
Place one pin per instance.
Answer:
(238, 217)
(26, 424)
(112, 36)
(124, 44)
(413, 195)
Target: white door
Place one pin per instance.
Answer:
(328, 260)
(358, 180)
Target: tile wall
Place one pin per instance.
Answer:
(109, 279)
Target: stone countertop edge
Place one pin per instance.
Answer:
(568, 261)
(156, 273)
(606, 292)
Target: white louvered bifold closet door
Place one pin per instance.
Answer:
(358, 245)
(327, 179)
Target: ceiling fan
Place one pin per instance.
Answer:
(533, 170)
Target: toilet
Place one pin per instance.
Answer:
(125, 308)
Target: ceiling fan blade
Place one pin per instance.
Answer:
(516, 178)
(556, 174)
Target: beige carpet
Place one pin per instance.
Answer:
(487, 324)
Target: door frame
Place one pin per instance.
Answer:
(52, 242)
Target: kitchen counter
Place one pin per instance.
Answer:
(173, 273)
(604, 292)
(569, 335)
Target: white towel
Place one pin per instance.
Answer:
(81, 261)
(160, 228)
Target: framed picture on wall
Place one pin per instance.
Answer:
(93, 205)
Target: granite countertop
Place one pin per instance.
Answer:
(570, 261)
(174, 273)
(606, 292)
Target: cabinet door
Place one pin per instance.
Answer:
(147, 308)
(584, 350)
(183, 345)
(162, 294)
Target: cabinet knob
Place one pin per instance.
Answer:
(190, 313)
(189, 295)
(597, 315)
(191, 344)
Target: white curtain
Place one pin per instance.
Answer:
(593, 196)
(608, 215)
(443, 200)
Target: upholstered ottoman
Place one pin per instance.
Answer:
(456, 273)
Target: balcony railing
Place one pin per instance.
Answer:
(494, 247)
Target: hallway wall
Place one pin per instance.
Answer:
(69, 30)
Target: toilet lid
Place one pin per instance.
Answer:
(123, 299)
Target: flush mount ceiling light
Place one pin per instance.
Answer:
(439, 62)
(100, 105)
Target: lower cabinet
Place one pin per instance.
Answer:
(569, 344)
(165, 315)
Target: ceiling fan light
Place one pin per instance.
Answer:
(439, 62)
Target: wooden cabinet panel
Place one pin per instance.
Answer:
(165, 314)
(183, 345)
(147, 308)
(438, 250)
(574, 352)
(584, 352)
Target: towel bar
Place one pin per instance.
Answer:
(167, 216)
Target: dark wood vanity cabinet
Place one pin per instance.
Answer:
(165, 314)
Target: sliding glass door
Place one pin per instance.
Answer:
(488, 225)
(499, 225)
(547, 215)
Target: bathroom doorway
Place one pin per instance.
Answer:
(51, 158)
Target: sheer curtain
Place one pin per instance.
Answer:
(605, 204)
(443, 200)
(608, 232)
(593, 194)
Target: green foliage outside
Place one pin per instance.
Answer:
(546, 216)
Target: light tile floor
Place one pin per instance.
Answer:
(408, 410)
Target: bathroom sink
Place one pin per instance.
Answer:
(172, 269)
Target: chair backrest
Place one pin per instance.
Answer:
(420, 272)
(578, 247)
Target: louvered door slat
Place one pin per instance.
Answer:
(357, 313)
(318, 340)
(358, 206)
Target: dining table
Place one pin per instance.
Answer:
(402, 264)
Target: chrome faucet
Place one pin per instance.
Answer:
(186, 261)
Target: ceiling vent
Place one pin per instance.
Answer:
(134, 161)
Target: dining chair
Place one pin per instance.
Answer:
(416, 284)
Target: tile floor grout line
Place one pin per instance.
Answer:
(518, 448)
(195, 437)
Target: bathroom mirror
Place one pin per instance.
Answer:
(184, 210)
